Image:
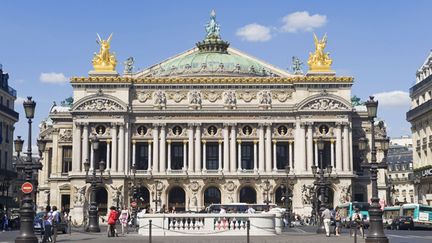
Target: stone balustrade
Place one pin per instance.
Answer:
(188, 224)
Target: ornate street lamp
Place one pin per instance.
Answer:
(288, 195)
(27, 213)
(376, 231)
(94, 181)
(18, 145)
(134, 194)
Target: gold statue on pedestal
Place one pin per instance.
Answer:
(104, 61)
(320, 61)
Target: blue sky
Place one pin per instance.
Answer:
(380, 43)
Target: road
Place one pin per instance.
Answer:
(299, 234)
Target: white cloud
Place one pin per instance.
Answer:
(254, 33)
(53, 78)
(19, 100)
(302, 21)
(395, 98)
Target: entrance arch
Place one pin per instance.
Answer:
(177, 199)
(280, 196)
(102, 200)
(142, 197)
(248, 195)
(212, 195)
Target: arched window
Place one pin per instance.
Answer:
(248, 195)
(212, 195)
(177, 199)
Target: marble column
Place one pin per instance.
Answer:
(261, 153)
(134, 152)
(121, 148)
(220, 155)
(255, 168)
(225, 134)
(290, 150)
(56, 161)
(198, 148)
(76, 147)
(108, 155)
(268, 153)
(127, 149)
(162, 161)
(299, 148)
(155, 134)
(185, 165)
(114, 164)
(239, 165)
(351, 163)
(338, 155)
(274, 155)
(85, 144)
(316, 161)
(150, 158)
(91, 157)
(190, 166)
(346, 149)
(169, 156)
(204, 159)
(332, 156)
(310, 152)
(233, 148)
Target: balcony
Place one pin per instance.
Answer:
(419, 110)
(9, 111)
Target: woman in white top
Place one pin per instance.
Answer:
(124, 216)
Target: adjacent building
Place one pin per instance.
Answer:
(399, 175)
(209, 125)
(420, 117)
(8, 117)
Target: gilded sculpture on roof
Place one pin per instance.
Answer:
(104, 61)
(319, 61)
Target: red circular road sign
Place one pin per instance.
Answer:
(27, 187)
(133, 204)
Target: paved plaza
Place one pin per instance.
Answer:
(303, 235)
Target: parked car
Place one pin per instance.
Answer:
(38, 223)
(403, 222)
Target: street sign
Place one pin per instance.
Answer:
(27, 187)
(133, 204)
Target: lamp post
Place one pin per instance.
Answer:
(417, 184)
(288, 195)
(94, 181)
(321, 184)
(134, 194)
(376, 231)
(27, 213)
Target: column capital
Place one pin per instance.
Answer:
(85, 124)
(290, 141)
(229, 124)
(133, 141)
(339, 124)
(255, 141)
(185, 141)
(78, 123)
(149, 141)
(220, 141)
(204, 141)
(169, 141)
(308, 123)
(108, 141)
(332, 141)
(274, 141)
(239, 141)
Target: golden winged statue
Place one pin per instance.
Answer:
(104, 60)
(320, 61)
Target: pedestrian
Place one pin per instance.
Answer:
(47, 224)
(112, 219)
(337, 219)
(356, 222)
(250, 210)
(163, 209)
(5, 222)
(124, 216)
(326, 216)
(222, 210)
(55, 223)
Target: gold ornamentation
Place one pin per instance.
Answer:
(104, 60)
(320, 61)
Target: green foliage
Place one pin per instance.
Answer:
(67, 102)
(426, 167)
(355, 101)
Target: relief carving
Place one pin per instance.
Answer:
(159, 99)
(177, 96)
(230, 99)
(143, 96)
(100, 104)
(65, 135)
(247, 96)
(325, 104)
(212, 96)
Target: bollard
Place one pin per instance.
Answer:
(150, 231)
(248, 231)
(355, 232)
(70, 225)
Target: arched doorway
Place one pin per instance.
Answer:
(177, 199)
(280, 196)
(212, 195)
(248, 195)
(142, 197)
(328, 196)
(102, 200)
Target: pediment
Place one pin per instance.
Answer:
(99, 103)
(325, 102)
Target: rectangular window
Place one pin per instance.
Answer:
(50, 153)
(67, 159)
(7, 134)
(282, 155)
(101, 155)
(141, 156)
(1, 132)
(177, 156)
(247, 156)
(212, 156)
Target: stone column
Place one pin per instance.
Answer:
(190, 166)
(239, 165)
(155, 148)
(85, 144)
(150, 158)
(274, 155)
(299, 148)
(121, 148)
(198, 148)
(268, 153)
(162, 161)
(169, 156)
(310, 152)
(76, 147)
(351, 163)
(226, 157)
(316, 161)
(261, 148)
(233, 152)
(346, 149)
(204, 160)
(108, 162)
(91, 157)
(134, 152)
(332, 157)
(255, 156)
(220, 155)
(290, 160)
(56, 161)
(185, 165)
(114, 163)
(127, 145)
(338, 156)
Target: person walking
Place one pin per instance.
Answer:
(326, 216)
(55, 223)
(124, 216)
(112, 219)
(337, 219)
(47, 224)
(5, 222)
